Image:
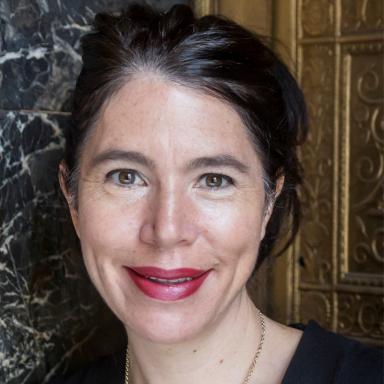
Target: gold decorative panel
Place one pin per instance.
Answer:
(362, 16)
(362, 163)
(360, 315)
(340, 261)
(316, 236)
(254, 15)
(317, 17)
(316, 305)
(205, 7)
(336, 268)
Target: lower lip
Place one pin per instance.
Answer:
(167, 292)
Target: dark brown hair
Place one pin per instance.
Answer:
(210, 54)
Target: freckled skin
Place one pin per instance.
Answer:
(173, 221)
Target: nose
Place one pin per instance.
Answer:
(170, 221)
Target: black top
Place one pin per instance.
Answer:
(321, 357)
(325, 357)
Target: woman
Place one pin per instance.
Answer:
(180, 167)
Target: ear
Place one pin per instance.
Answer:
(64, 181)
(271, 204)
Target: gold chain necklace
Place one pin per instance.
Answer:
(250, 369)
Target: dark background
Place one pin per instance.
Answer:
(51, 318)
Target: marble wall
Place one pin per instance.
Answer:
(51, 319)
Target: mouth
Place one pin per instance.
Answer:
(167, 285)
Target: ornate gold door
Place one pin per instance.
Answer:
(334, 273)
(336, 266)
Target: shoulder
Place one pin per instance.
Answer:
(325, 357)
(107, 369)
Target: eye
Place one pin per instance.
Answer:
(125, 178)
(215, 181)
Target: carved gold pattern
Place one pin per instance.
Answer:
(316, 305)
(362, 16)
(317, 17)
(317, 78)
(362, 250)
(361, 316)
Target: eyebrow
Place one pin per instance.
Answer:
(117, 154)
(224, 160)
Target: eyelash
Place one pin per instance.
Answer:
(112, 175)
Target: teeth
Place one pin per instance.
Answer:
(172, 281)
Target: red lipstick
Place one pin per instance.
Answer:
(167, 284)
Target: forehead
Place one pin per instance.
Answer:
(149, 114)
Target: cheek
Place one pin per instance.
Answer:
(234, 230)
(108, 227)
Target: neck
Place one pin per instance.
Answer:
(208, 357)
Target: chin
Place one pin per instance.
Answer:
(166, 327)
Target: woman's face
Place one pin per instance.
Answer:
(171, 209)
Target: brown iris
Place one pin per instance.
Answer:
(214, 181)
(126, 177)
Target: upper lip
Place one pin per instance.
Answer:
(160, 273)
